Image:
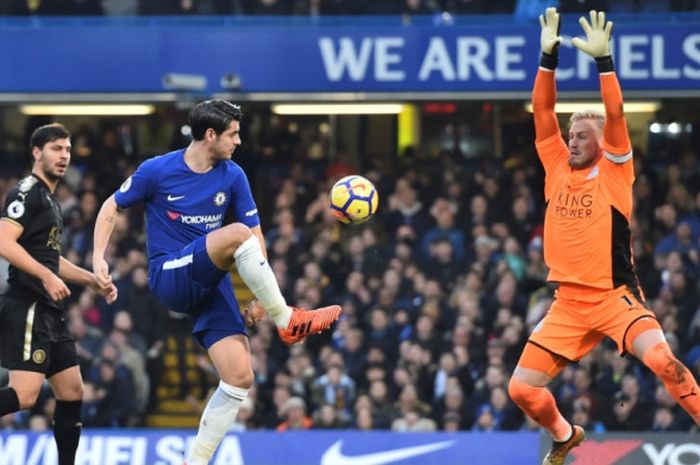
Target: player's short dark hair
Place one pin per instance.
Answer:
(47, 133)
(215, 114)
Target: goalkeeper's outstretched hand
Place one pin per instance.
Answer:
(549, 37)
(597, 43)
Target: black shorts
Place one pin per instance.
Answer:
(34, 336)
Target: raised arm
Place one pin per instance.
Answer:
(104, 226)
(544, 93)
(616, 141)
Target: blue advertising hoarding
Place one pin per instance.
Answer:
(167, 447)
(494, 55)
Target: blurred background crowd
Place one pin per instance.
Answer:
(330, 7)
(440, 290)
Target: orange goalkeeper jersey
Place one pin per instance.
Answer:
(586, 231)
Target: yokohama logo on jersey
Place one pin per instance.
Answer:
(212, 221)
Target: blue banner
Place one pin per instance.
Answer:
(168, 447)
(489, 55)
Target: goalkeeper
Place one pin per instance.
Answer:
(588, 191)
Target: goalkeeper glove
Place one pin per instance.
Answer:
(550, 38)
(597, 43)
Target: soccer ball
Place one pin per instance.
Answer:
(353, 199)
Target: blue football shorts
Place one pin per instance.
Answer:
(187, 281)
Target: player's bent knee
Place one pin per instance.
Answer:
(521, 393)
(238, 231)
(237, 234)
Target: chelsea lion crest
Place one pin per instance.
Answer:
(219, 199)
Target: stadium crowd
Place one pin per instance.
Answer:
(440, 291)
(328, 7)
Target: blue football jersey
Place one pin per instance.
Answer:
(182, 205)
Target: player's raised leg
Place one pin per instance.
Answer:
(238, 243)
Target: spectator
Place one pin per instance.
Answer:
(412, 420)
(326, 417)
(336, 388)
(406, 218)
(295, 417)
(114, 393)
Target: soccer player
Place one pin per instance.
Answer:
(190, 252)
(588, 192)
(35, 342)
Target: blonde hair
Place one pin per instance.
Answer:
(594, 115)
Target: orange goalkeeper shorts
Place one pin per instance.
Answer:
(581, 317)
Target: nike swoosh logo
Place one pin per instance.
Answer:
(334, 456)
(172, 198)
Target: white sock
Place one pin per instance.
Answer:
(260, 278)
(216, 420)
